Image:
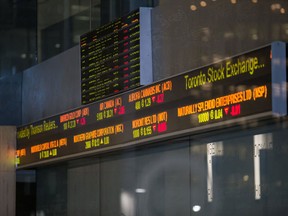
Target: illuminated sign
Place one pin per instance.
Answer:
(110, 56)
(248, 86)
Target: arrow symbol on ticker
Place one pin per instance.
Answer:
(115, 110)
(154, 127)
(226, 109)
(77, 121)
(153, 98)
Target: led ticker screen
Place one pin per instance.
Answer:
(223, 92)
(110, 58)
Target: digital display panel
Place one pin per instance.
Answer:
(110, 58)
(220, 93)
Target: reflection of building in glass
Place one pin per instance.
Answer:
(213, 149)
(261, 142)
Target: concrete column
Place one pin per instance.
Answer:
(7, 170)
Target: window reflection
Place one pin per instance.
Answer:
(60, 24)
(127, 203)
(213, 149)
(261, 142)
(245, 173)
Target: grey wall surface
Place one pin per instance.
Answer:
(52, 87)
(184, 39)
(7, 170)
(10, 98)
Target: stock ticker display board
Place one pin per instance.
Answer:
(229, 91)
(111, 58)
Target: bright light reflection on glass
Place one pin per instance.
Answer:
(140, 190)
(127, 203)
(23, 55)
(261, 141)
(196, 208)
(193, 7)
(203, 4)
(255, 37)
(213, 149)
(245, 178)
(275, 6)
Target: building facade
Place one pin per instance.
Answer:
(232, 170)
